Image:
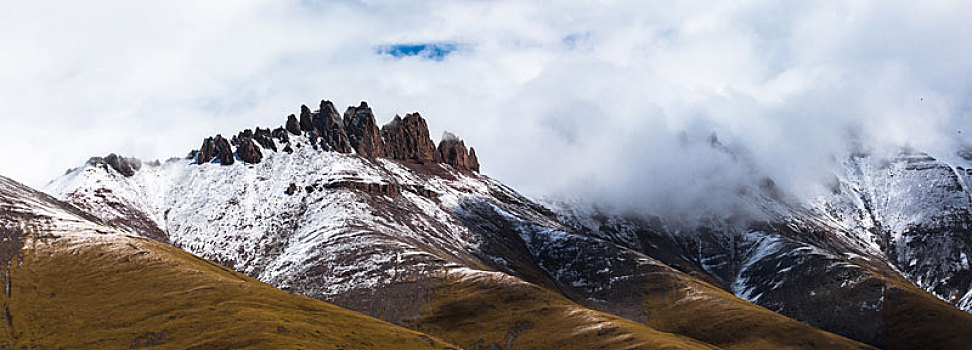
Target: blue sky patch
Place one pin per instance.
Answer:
(432, 51)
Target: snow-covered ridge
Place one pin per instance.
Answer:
(364, 218)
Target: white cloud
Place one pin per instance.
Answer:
(611, 89)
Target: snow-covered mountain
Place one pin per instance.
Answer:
(385, 222)
(72, 281)
(888, 225)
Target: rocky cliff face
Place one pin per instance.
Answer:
(407, 139)
(452, 151)
(403, 139)
(363, 133)
(125, 166)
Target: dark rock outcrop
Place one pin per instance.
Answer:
(281, 135)
(207, 152)
(404, 139)
(126, 166)
(292, 125)
(408, 139)
(453, 151)
(223, 150)
(306, 119)
(248, 151)
(392, 190)
(328, 123)
(363, 133)
(264, 138)
(473, 160)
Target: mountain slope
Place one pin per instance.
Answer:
(417, 238)
(72, 282)
(852, 262)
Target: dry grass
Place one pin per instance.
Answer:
(124, 292)
(476, 311)
(697, 309)
(914, 319)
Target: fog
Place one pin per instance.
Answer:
(613, 101)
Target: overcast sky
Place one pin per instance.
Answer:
(618, 96)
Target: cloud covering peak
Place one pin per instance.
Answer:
(617, 98)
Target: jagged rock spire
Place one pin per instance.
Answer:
(264, 138)
(127, 166)
(452, 151)
(292, 125)
(404, 139)
(213, 148)
(363, 133)
(246, 149)
(207, 152)
(223, 150)
(408, 139)
(306, 119)
(330, 128)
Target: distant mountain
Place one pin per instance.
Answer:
(73, 282)
(385, 222)
(853, 261)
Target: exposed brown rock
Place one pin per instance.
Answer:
(264, 138)
(392, 190)
(312, 136)
(473, 160)
(306, 119)
(408, 139)
(359, 123)
(223, 150)
(125, 166)
(453, 151)
(207, 152)
(291, 189)
(329, 126)
(405, 139)
(281, 135)
(292, 125)
(248, 151)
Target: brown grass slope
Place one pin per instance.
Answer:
(118, 292)
(914, 319)
(489, 310)
(683, 305)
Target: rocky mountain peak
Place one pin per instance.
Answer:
(126, 166)
(404, 139)
(363, 133)
(292, 125)
(408, 139)
(330, 128)
(453, 151)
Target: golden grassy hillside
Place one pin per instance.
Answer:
(683, 305)
(914, 319)
(117, 292)
(478, 309)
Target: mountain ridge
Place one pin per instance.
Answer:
(72, 281)
(381, 223)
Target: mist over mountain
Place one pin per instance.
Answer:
(611, 175)
(617, 97)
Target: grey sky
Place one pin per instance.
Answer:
(614, 96)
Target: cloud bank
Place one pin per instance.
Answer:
(610, 99)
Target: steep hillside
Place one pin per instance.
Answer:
(848, 262)
(384, 222)
(74, 283)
